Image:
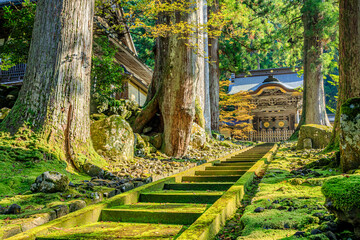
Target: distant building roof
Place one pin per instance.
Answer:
(288, 79)
(8, 2)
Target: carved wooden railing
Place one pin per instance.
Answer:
(13, 75)
(271, 135)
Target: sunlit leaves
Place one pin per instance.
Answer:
(235, 111)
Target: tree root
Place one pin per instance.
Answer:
(146, 114)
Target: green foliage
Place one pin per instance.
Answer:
(331, 92)
(343, 191)
(20, 22)
(106, 74)
(145, 47)
(271, 37)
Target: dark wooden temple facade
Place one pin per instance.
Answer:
(277, 101)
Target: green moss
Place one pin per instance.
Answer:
(199, 114)
(108, 230)
(23, 157)
(280, 190)
(351, 108)
(343, 191)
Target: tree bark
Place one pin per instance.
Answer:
(202, 87)
(55, 97)
(349, 69)
(173, 84)
(214, 74)
(314, 110)
(347, 129)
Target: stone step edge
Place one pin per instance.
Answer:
(210, 223)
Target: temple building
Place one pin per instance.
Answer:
(277, 100)
(137, 74)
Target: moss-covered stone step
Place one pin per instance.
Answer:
(238, 160)
(244, 164)
(114, 230)
(228, 167)
(181, 197)
(244, 158)
(168, 213)
(259, 154)
(210, 178)
(214, 186)
(220, 172)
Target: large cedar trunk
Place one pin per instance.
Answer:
(314, 110)
(55, 97)
(349, 69)
(202, 64)
(172, 91)
(214, 74)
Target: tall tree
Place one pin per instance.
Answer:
(214, 72)
(314, 110)
(202, 64)
(347, 113)
(172, 91)
(54, 99)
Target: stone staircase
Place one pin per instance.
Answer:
(178, 204)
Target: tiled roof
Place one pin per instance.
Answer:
(7, 2)
(287, 78)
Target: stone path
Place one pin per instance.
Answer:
(162, 214)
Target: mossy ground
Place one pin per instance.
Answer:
(108, 230)
(23, 157)
(343, 191)
(290, 193)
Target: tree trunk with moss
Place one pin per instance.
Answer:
(314, 109)
(347, 125)
(55, 97)
(214, 74)
(172, 91)
(202, 63)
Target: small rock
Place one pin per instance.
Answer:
(13, 209)
(276, 202)
(71, 184)
(147, 130)
(93, 170)
(286, 225)
(138, 184)
(50, 182)
(299, 234)
(95, 196)
(147, 180)
(259, 209)
(2, 210)
(61, 210)
(109, 175)
(315, 231)
(77, 205)
(112, 193)
(331, 235)
(126, 187)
